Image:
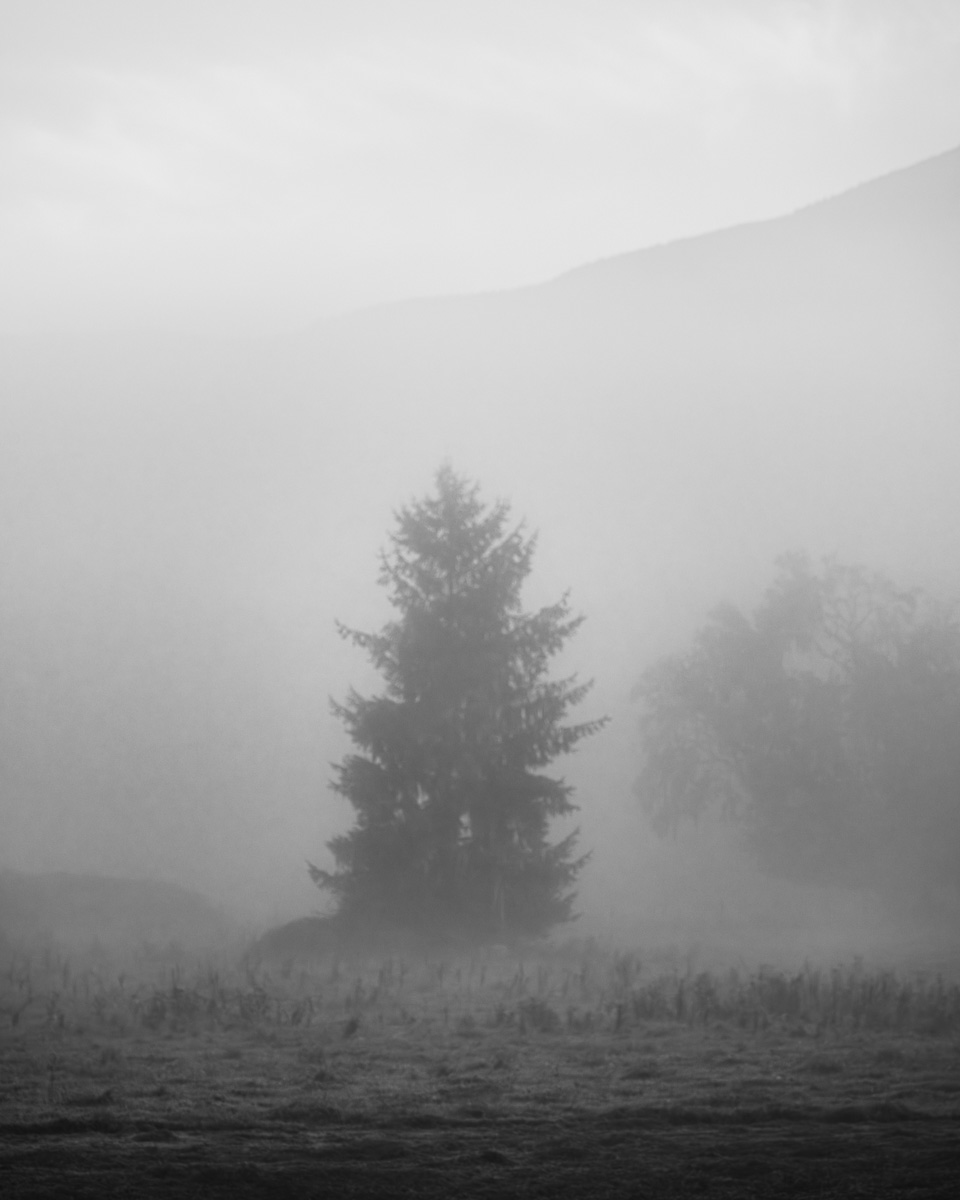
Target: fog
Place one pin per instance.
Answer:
(186, 516)
(243, 166)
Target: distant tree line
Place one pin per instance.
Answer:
(826, 725)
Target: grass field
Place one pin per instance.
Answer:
(571, 1073)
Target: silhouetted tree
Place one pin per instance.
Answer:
(828, 726)
(452, 807)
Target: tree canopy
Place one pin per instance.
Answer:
(827, 725)
(452, 802)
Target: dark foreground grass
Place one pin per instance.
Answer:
(470, 1079)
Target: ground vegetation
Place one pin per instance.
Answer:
(579, 1072)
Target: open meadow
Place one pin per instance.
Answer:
(574, 1072)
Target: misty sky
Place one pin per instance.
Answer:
(221, 164)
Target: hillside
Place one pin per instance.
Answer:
(79, 911)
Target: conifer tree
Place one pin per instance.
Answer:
(452, 805)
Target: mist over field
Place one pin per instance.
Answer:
(186, 515)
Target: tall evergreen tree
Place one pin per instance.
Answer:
(452, 806)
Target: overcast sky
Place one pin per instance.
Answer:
(241, 165)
